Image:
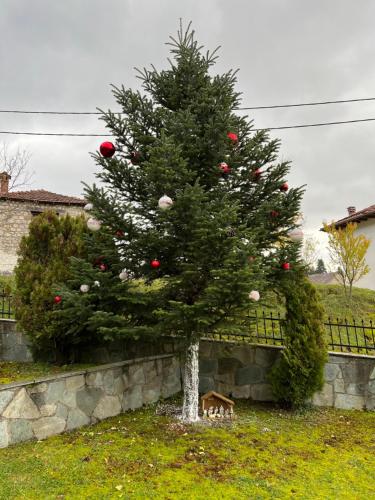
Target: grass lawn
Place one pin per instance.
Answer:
(265, 453)
(334, 303)
(13, 372)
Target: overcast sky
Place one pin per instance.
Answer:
(63, 55)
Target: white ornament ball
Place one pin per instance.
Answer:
(84, 288)
(97, 283)
(254, 295)
(124, 275)
(165, 202)
(88, 207)
(295, 234)
(93, 224)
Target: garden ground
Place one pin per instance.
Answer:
(266, 453)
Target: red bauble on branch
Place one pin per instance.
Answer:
(286, 266)
(102, 267)
(256, 174)
(274, 213)
(57, 299)
(224, 167)
(284, 187)
(155, 263)
(233, 137)
(119, 233)
(107, 149)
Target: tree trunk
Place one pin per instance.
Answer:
(191, 383)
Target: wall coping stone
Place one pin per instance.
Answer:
(7, 320)
(93, 369)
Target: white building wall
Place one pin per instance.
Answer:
(367, 228)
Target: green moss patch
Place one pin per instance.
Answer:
(265, 453)
(15, 372)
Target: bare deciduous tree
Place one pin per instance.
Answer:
(310, 252)
(16, 164)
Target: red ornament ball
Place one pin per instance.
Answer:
(107, 149)
(224, 167)
(233, 137)
(119, 233)
(257, 173)
(274, 213)
(286, 266)
(57, 299)
(102, 267)
(284, 187)
(155, 263)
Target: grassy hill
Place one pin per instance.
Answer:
(333, 299)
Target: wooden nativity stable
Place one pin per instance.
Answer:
(215, 405)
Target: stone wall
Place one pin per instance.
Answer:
(49, 406)
(14, 345)
(15, 217)
(240, 371)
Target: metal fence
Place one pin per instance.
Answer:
(6, 305)
(267, 328)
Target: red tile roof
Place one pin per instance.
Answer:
(42, 196)
(366, 213)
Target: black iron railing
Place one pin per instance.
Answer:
(6, 305)
(267, 328)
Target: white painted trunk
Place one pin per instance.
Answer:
(191, 383)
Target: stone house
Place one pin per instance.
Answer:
(17, 209)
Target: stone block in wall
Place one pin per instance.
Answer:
(88, 398)
(151, 392)
(108, 406)
(132, 398)
(266, 357)
(252, 374)
(262, 392)
(331, 372)
(19, 430)
(48, 426)
(5, 398)
(208, 366)
(206, 384)
(228, 365)
(4, 438)
(21, 406)
(136, 375)
(241, 392)
(76, 418)
(325, 397)
(349, 402)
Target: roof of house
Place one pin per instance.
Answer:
(323, 278)
(217, 395)
(42, 196)
(360, 215)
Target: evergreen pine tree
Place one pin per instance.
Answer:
(44, 261)
(225, 232)
(299, 374)
(320, 267)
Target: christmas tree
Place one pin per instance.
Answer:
(198, 205)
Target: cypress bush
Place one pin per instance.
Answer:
(299, 372)
(43, 262)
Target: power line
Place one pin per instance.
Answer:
(319, 103)
(274, 106)
(283, 127)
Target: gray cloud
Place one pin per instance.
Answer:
(64, 55)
